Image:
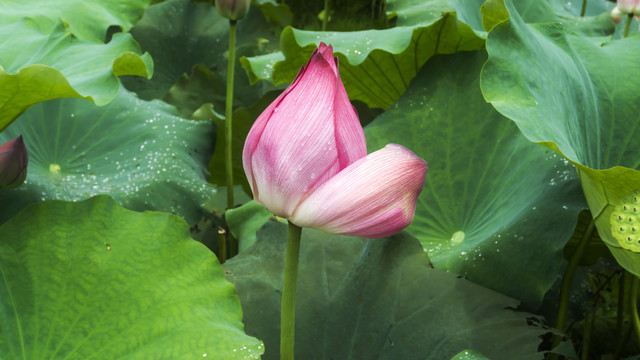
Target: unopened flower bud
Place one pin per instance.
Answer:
(233, 9)
(13, 163)
(625, 7)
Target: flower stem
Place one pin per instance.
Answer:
(628, 25)
(567, 279)
(584, 8)
(633, 308)
(228, 112)
(326, 15)
(222, 245)
(588, 331)
(287, 314)
(621, 305)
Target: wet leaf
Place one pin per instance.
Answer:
(111, 284)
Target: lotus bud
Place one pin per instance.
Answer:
(625, 7)
(13, 163)
(306, 160)
(233, 9)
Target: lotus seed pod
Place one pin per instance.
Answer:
(625, 222)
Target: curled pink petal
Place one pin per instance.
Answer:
(373, 197)
(302, 139)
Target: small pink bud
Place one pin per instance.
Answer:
(616, 15)
(306, 160)
(13, 163)
(627, 6)
(233, 9)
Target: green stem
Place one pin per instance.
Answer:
(634, 305)
(287, 314)
(628, 25)
(588, 330)
(620, 310)
(584, 8)
(567, 279)
(228, 112)
(622, 341)
(222, 245)
(326, 15)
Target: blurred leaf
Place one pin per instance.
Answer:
(595, 248)
(596, 21)
(494, 205)
(192, 38)
(343, 15)
(93, 280)
(190, 92)
(374, 299)
(245, 221)
(591, 117)
(277, 14)
(86, 19)
(37, 66)
(139, 152)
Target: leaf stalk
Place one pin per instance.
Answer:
(287, 314)
(229, 112)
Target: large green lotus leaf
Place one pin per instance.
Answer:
(138, 152)
(374, 299)
(86, 19)
(91, 280)
(595, 22)
(494, 205)
(376, 66)
(475, 12)
(38, 66)
(577, 98)
(180, 34)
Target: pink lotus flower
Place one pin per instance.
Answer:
(13, 163)
(625, 7)
(306, 160)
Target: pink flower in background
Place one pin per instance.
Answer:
(625, 7)
(306, 160)
(13, 163)
(233, 9)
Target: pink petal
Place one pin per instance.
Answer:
(255, 133)
(373, 197)
(350, 138)
(626, 6)
(298, 142)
